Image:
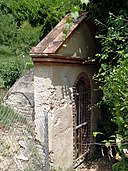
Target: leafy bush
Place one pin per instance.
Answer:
(38, 12)
(10, 73)
(27, 36)
(8, 29)
(15, 42)
(113, 72)
(116, 95)
(113, 76)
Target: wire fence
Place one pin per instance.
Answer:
(19, 149)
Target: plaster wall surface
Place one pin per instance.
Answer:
(53, 110)
(81, 43)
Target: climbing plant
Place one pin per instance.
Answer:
(112, 31)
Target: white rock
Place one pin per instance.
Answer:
(22, 157)
(23, 144)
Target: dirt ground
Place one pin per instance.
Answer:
(19, 151)
(102, 164)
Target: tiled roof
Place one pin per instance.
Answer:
(54, 40)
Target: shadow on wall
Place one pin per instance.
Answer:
(66, 92)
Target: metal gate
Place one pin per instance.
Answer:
(82, 118)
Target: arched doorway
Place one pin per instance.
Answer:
(82, 116)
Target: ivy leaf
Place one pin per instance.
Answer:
(85, 1)
(75, 14)
(111, 141)
(97, 133)
(68, 26)
(118, 141)
(107, 143)
(112, 136)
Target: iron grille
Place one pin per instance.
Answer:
(82, 119)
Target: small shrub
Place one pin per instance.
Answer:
(10, 73)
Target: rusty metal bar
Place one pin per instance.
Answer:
(82, 118)
(81, 125)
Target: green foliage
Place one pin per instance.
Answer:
(85, 1)
(15, 42)
(8, 58)
(112, 29)
(97, 133)
(75, 12)
(8, 29)
(115, 94)
(121, 166)
(10, 73)
(113, 72)
(2, 93)
(113, 76)
(5, 51)
(38, 12)
(99, 12)
(27, 36)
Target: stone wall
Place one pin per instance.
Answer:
(54, 112)
(20, 96)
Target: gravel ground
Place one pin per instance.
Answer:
(19, 151)
(102, 164)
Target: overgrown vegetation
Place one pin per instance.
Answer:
(111, 18)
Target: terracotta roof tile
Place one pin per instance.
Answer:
(53, 41)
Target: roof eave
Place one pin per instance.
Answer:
(56, 58)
